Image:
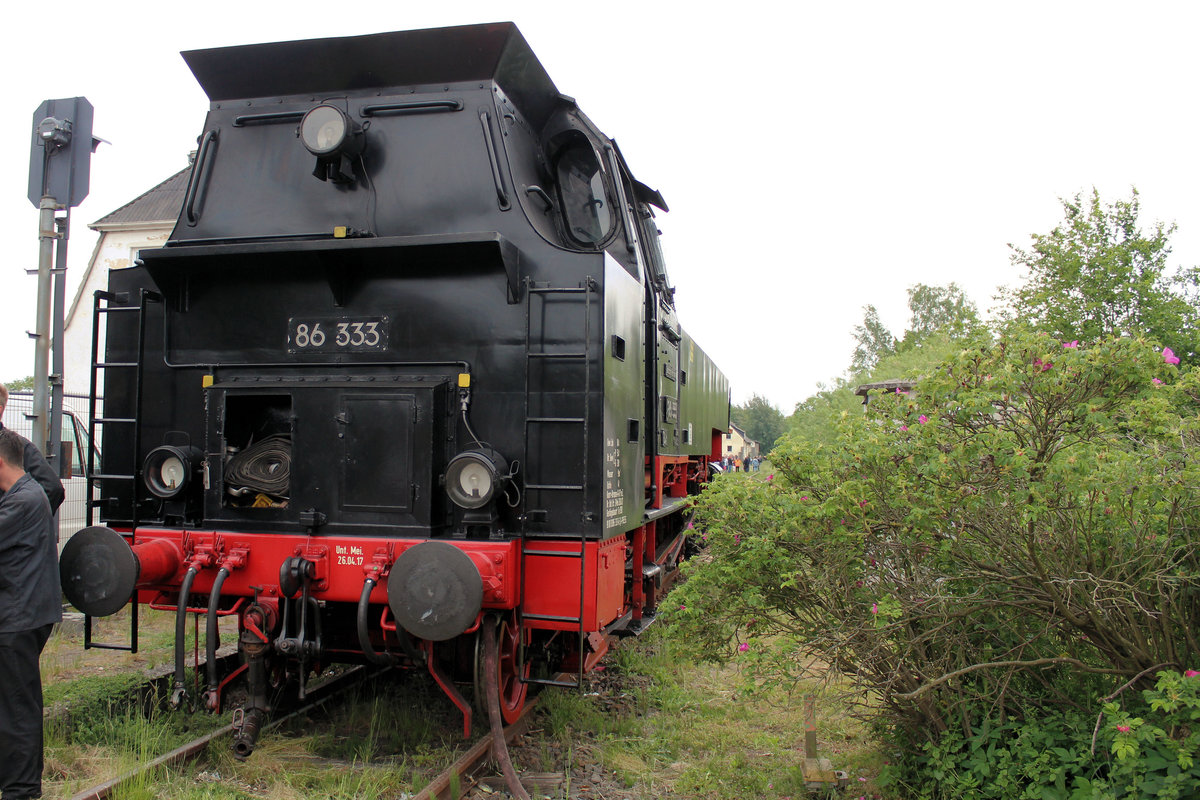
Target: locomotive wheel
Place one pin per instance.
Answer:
(512, 688)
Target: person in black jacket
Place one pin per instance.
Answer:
(35, 464)
(30, 604)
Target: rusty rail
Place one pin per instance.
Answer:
(192, 749)
(480, 752)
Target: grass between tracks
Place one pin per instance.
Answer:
(681, 730)
(650, 726)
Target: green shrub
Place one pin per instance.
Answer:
(1144, 752)
(1018, 534)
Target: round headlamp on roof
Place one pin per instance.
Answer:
(327, 131)
(473, 476)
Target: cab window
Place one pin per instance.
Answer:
(583, 199)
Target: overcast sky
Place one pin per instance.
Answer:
(816, 156)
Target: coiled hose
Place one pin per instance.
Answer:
(264, 467)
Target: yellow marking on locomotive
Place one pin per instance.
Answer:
(464, 380)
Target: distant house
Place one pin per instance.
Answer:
(738, 445)
(141, 224)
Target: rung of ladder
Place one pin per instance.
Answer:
(116, 419)
(114, 477)
(552, 487)
(117, 309)
(106, 364)
(556, 419)
(98, 646)
(555, 553)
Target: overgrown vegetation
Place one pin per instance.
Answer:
(669, 727)
(1005, 558)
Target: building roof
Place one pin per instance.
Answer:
(156, 206)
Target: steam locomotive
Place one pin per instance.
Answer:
(405, 385)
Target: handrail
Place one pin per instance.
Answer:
(193, 188)
(268, 118)
(493, 159)
(411, 107)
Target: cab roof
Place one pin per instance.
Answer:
(490, 52)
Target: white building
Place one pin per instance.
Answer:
(143, 223)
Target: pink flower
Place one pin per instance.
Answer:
(922, 419)
(1044, 365)
(1156, 381)
(690, 525)
(862, 503)
(1191, 673)
(1071, 345)
(874, 608)
(737, 538)
(903, 428)
(771, 477)
(803, 497)
(743, 647)
(1169, 356)
(1123, 728)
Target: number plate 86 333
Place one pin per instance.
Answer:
(337, 334)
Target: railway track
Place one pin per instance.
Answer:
(319, 696)
(468, 771)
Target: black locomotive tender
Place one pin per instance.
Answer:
(405, 382)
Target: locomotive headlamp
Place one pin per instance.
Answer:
(473, 476)
(325, 130)
(330, 135)
(168, 470)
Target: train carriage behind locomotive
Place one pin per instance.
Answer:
(409, 358)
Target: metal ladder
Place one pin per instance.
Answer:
(109, 303)
(545, 293)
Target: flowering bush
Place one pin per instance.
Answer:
(1018, 532)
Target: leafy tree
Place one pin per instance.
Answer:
(939, 310)
(1099, 274)
(22, 385)
(873, 341)
(816, 418)
(762, 422)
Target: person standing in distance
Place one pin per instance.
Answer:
(30, 605)
(35, 463)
